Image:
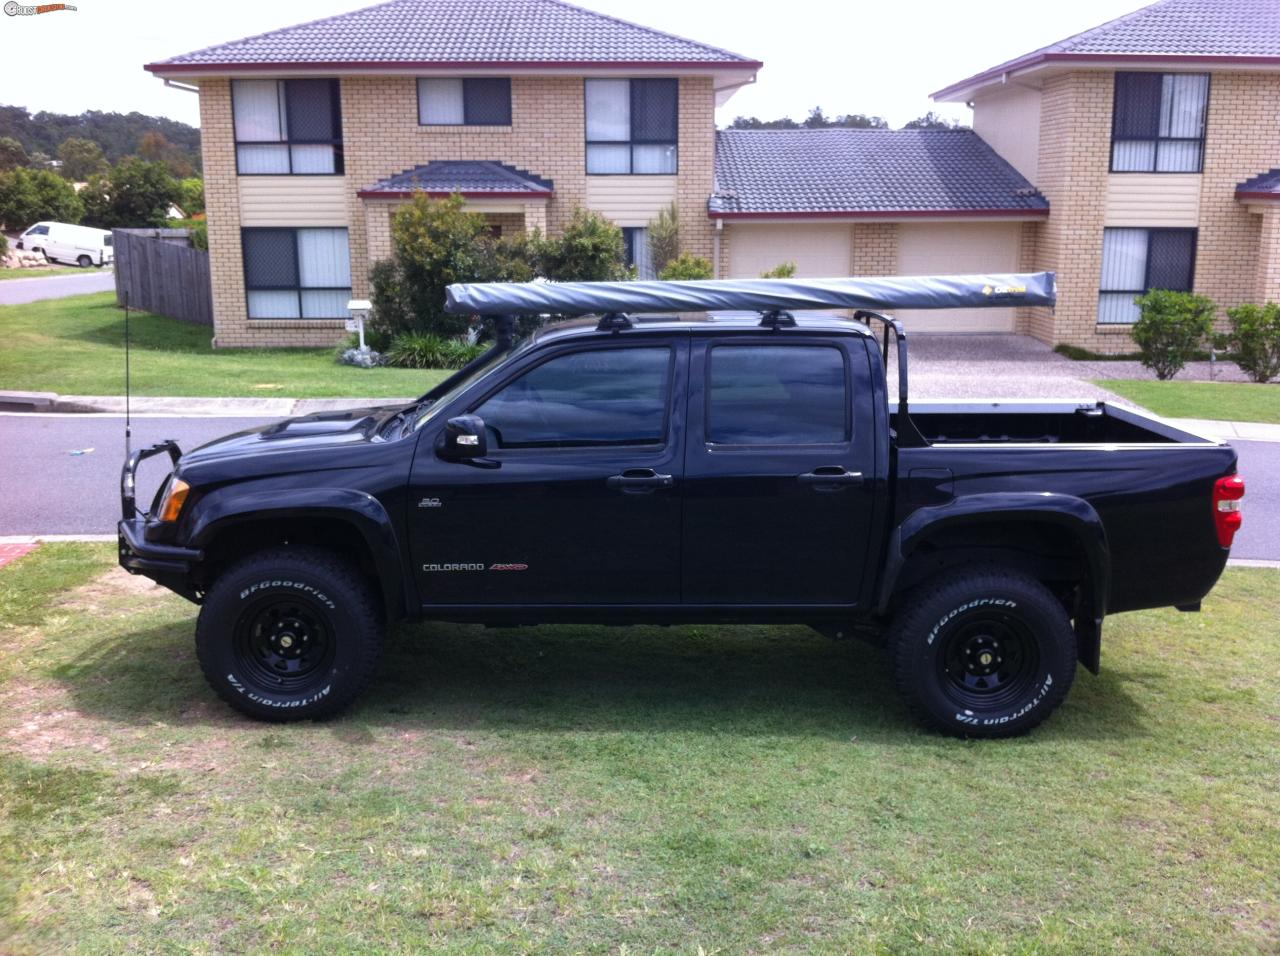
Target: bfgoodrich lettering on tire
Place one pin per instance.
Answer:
(288, 634)
(983, 652)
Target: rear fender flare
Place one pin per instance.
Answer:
(223, 508)
(1068, 512)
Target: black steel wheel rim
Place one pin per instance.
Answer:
(988, 659)
(283, 644)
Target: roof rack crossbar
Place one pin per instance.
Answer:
(615, 322)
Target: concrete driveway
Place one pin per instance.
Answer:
(1018, 366)
(20, 291)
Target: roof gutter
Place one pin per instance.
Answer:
(464, 193)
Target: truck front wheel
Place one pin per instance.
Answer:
(289, 634)
(983, 652)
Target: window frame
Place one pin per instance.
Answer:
(299, 289)
(1158, 139)
(335, 105)
(473, 407)
(1146, 269)
(631, 142)
(417, 85)
(757, 342)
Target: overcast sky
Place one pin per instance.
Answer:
(879, 57)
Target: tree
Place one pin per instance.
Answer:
(191, 195)
(96, 199)
(155, 148)
(31, 195)
(12, 154)
(135, 194)
(664, 237)
(932, 120)
(81, 158)
(816, 119)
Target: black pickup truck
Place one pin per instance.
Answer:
(692, 468)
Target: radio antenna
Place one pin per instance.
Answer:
(128, 421)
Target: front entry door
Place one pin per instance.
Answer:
(778, 490)
(583, 507)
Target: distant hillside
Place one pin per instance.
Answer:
(119, 134)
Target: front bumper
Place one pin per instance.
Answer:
(169, 565)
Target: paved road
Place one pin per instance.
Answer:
(46, 490)
(18, 291)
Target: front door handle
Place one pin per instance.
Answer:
(639, 481)
(830, 478)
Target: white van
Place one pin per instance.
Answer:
(63, 242)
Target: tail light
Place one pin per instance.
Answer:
(1226, 507)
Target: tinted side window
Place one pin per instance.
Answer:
(605, 397)
(777, 395)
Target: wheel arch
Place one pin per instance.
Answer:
(229, 525)
(1053, 537)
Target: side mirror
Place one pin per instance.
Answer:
(465, 440)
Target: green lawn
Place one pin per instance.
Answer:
(41, 273)
(75, 346)
(1222, 401)
(574, 789)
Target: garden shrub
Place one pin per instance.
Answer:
(686, 266)
(783, 270)
(590, 249)
(423, 350)
(664, 237)
(1255, 339)
(1173, 325)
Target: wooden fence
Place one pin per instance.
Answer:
(162, 273)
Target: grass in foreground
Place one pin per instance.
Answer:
(76, 346)
(41, 273)
(571, 789)
(1223, 401)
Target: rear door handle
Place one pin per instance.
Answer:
(639, 481)
(830, 478)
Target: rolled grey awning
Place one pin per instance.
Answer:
(715, 295)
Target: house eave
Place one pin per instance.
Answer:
(465, 194)
(964, 90)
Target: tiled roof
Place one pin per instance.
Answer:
(828, 172)
(475, 178)
(1218, 30)
(536, 32)
(1261, 186)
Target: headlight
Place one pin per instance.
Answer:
(175, 496)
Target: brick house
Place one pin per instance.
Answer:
(314, 134)
(1155, 138)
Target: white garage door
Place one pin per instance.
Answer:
(819, 251)
(957, 249)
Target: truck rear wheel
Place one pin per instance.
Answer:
(289, 634)
(983, 652)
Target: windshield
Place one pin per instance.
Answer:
(443, 401)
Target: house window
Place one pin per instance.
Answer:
(631, 126)
(296, 273)
(287, 127)
(637, 252)
(1134, 261)
(1157, 125)
(474, 101)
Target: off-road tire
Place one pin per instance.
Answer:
(982, 652)
(263, 620)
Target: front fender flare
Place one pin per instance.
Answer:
(223, 508)
(1073, 514)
